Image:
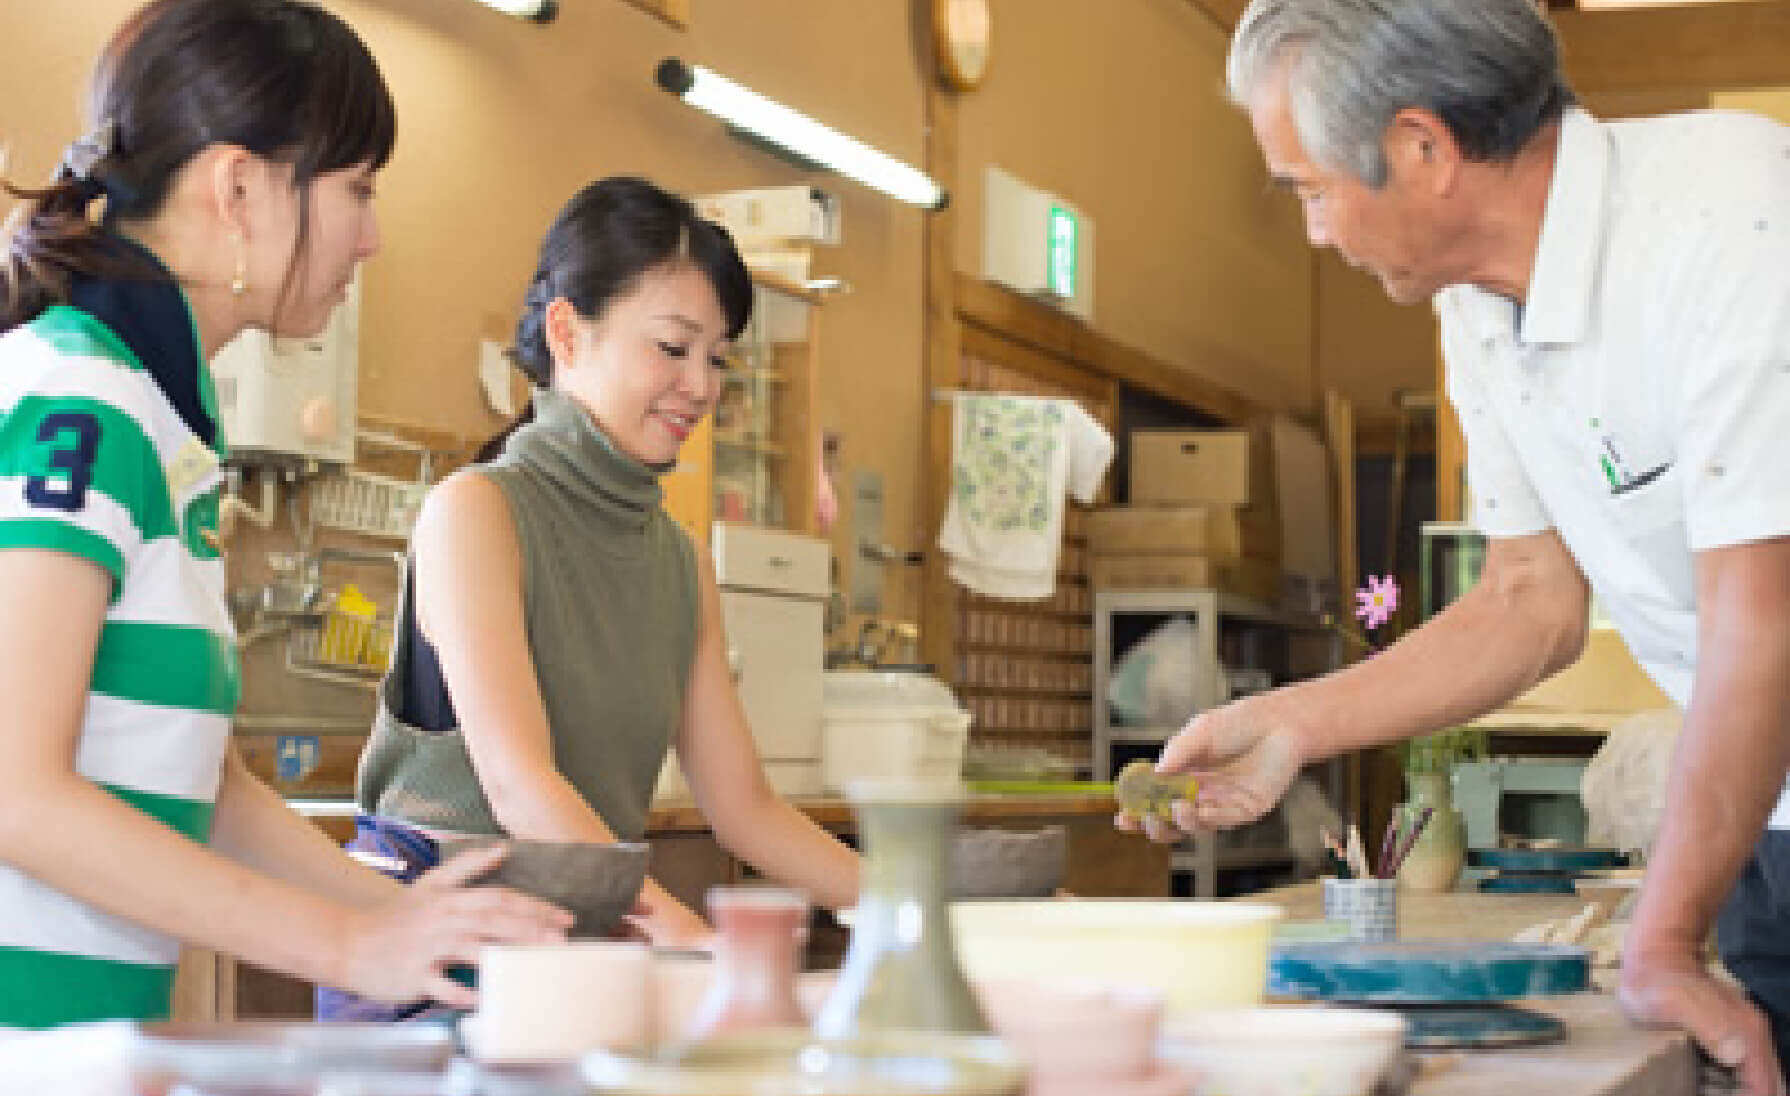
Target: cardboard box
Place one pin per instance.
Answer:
(1254, 579)
(1606, 678)
(1185, 467)
(1223, 532)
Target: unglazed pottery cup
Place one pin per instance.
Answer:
(553, 1002)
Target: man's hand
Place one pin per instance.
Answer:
(1245, 756)
(1677, 991)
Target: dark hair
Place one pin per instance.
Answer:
(607, 237)
(284, 79)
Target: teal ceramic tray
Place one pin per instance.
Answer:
(1544, 859)
(1427, 971)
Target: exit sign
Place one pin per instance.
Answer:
(1062, 230)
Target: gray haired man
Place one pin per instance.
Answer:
(1615, 309)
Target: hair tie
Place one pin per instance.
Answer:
(85, 153)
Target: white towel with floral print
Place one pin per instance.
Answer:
(1014, 459)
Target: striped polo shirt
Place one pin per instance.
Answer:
(109, 451)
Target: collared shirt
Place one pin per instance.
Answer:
(1640, 403)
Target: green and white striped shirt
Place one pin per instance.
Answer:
(96, 461)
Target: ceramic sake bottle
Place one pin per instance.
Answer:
(901, 970)
(759, 936)
(1434, 863)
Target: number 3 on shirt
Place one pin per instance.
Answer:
(74, 440)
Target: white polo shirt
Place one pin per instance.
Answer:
(1640, 403)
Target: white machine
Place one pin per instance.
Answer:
(292, 398)
(773, 604)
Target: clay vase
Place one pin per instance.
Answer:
(760, 931)
(901, 970)
(1435, 861)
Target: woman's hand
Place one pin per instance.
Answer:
(399, 951)
(668, 923)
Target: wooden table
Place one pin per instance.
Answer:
(1603, 1055)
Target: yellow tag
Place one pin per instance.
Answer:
(190, 467)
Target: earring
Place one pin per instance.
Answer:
(239, 284)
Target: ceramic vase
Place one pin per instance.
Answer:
(901, 970)
(1434, 863)
(759, 936)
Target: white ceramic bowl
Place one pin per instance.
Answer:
(1284, 1051)
(1198, 955)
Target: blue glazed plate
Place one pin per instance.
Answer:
(1427, 971)
(1545, 859)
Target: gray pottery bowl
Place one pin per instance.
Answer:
(1004, 864)
(597, 883)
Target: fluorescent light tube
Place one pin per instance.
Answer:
(535, 11)
(790, 129)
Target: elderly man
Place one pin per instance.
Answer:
(1615, 309)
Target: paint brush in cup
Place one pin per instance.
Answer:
(1335, 848)
(1410, 839)
(1357, 853)
(1387, 844)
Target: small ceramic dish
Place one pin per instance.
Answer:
(1284, 1051)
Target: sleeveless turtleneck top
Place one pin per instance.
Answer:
(610, 603)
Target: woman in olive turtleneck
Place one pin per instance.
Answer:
(573, 624)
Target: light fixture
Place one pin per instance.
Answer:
(535, 11)
(798, 134)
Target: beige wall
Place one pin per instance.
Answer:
(1367, 347)
(1119, 108)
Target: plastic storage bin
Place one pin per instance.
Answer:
(886, 725)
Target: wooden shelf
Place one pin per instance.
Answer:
(742, 373)
(1032, 732)
(750, 444)
(1030, 611)
(1025, 691)
(1079, 654)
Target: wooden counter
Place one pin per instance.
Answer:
(1603, 1054)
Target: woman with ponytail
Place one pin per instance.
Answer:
(225, 183)
(561, 631)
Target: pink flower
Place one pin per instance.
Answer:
(1377, 601)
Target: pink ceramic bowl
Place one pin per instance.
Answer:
(1075, 1033)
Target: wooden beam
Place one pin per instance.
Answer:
(1732, 45)
(1223, 12)
(1739, 44)
(944, 364)
(1004, 312)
